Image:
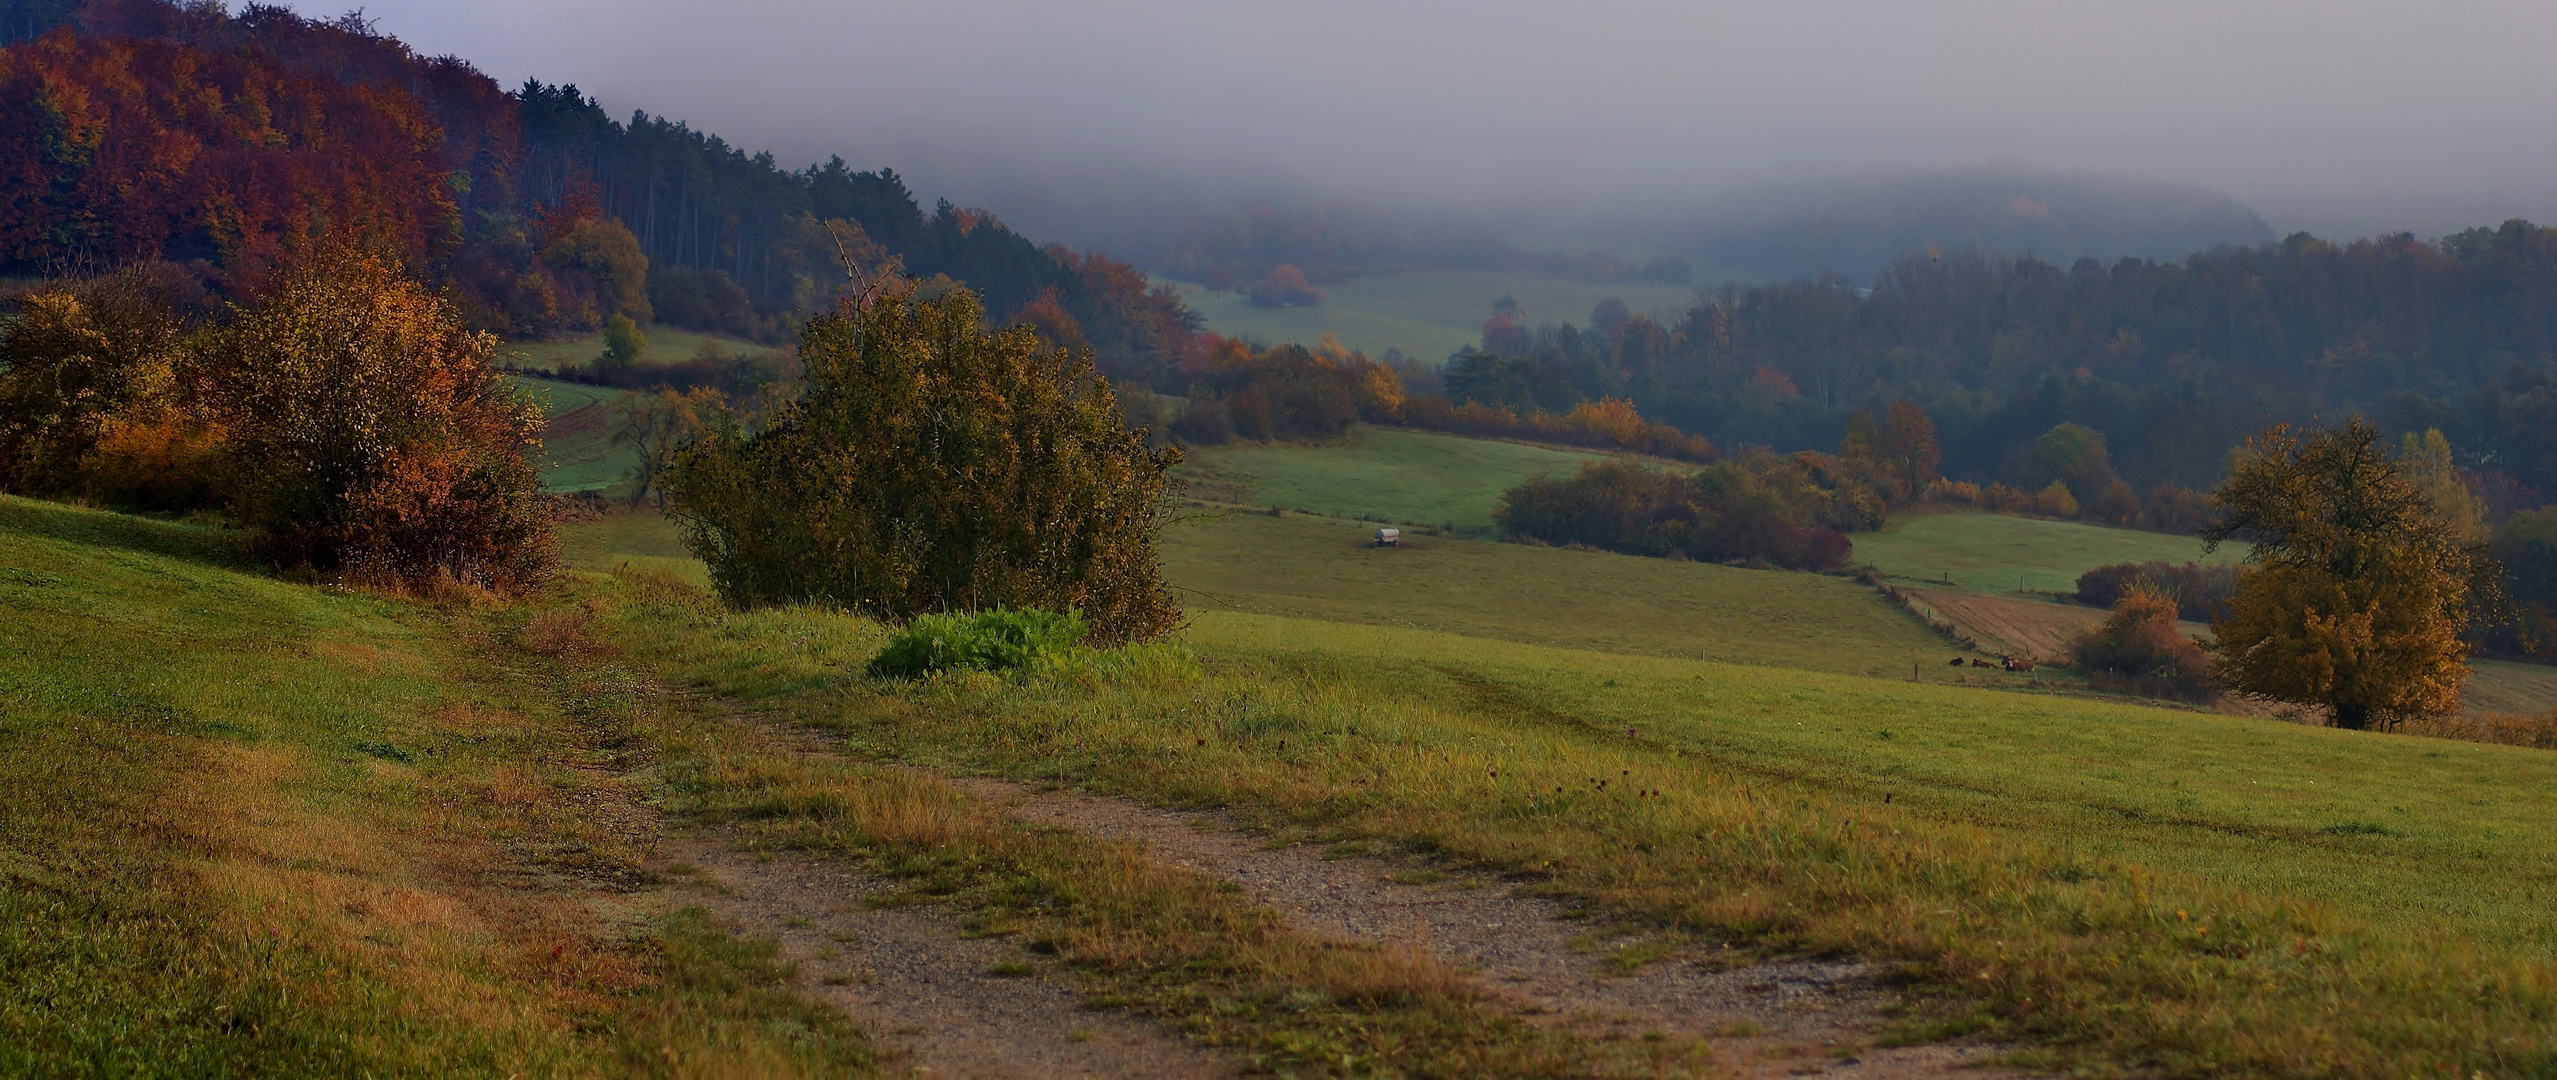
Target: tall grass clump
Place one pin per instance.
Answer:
(998, 640)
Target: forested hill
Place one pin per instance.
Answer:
(2175, 363)
(145, 129)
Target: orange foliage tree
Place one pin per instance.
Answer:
(94, 369)
(133, 149)
(2356, 593)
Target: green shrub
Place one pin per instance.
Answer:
(933, 465)
(999, 640)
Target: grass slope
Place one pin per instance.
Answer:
(1412, 477)
(1995, 553)
(254, 827)
(645, 540)
(1325, 569)
(577, 453)
(577, 450)
(1427, 314)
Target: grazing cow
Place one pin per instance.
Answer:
(2015, 664)
(1977, 662)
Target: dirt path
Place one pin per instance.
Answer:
(909, 976)
(1797, 1017)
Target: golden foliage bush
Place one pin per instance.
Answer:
(370, 433)
(79, 363)
(2137, 649)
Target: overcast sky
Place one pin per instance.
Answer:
(2342, 116)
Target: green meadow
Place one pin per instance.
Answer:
(197, 755)
(249, 827)
(2101, 883)
(1325, 571)
(1996, 553)
(1389, 474)
(1427, 314)
(577, 450)
(666, 345)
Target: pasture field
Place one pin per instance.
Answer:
(1327, 571)
(1428, 314)
(577, 450)
(252, 827)
(1411, 477)
(666, 345)
(643, 540)
(1997, 554)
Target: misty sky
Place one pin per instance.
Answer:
(2339, 116)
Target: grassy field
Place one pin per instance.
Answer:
(251, 827)
(666, 344)
(2109, 884)
(577, 449)
(645, 541)
(1427, 314)
(1326, 570)
(1994, 553)
(1411, 477)
(358, 818)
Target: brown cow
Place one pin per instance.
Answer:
(1977, 662)
(2014, 664)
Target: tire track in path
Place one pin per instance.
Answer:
(1785, 1018)
(951, 1006)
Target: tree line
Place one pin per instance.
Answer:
(2171, 365)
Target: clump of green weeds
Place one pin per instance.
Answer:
(998, 640)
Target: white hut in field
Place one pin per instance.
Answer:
(1389, 537)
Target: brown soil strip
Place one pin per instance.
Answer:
(2025, 628)
(921, 988)
(1793, 1017)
